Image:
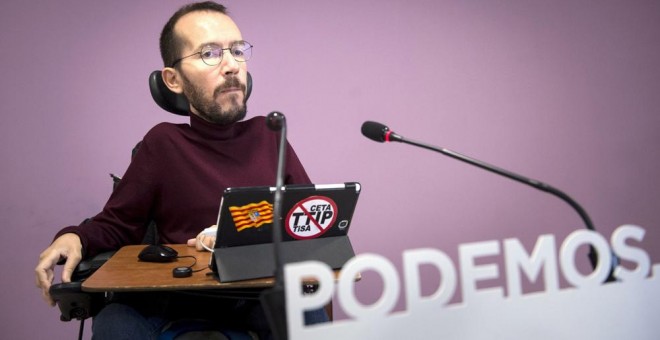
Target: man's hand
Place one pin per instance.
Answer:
(67, 246)
(204, 240)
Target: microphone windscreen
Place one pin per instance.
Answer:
(275, 120)
(374, 131)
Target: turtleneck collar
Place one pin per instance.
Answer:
(214, 131)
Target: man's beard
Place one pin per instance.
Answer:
(211, 110)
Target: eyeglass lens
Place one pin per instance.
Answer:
(240, 50)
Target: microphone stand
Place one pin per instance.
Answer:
(273, 299)
(389, 135)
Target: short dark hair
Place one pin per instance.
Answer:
(170, 44)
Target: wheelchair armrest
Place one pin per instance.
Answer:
(72, 301)
(87, 267)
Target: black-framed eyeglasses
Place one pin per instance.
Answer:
(212, 54)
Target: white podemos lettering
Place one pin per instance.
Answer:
(543, 259)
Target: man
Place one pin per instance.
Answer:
(180, 172)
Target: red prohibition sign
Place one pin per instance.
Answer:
(311, 217)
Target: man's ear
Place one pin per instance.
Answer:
(172, 79)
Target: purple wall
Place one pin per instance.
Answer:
(563, 91)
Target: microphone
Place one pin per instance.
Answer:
(273, 299)
(275, 121)
(381, 133)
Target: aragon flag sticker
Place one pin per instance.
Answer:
(311, 217)
(252, 215)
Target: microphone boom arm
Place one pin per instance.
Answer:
(593, 255)
(273, 299)
(511, 175)
(381, 133)
(277, 211)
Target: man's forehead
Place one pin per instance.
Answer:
(200, 28)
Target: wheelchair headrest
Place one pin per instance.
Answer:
(174, 102)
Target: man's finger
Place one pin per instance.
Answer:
(44, 271)
(210, 241)
(45, 294)
(200, 240)
(69, 267)
(42, 278)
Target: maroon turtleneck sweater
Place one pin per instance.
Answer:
(177, 178)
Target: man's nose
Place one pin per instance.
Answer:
(228, 65)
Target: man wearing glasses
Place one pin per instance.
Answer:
(178, 176)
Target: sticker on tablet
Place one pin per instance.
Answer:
(252, 215)
(311, 217)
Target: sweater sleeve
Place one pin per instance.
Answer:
(125, 216)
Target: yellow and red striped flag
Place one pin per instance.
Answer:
(252, 215)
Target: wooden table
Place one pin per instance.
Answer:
(123, 272)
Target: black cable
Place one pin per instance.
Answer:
(82, 328)
(193, 264)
